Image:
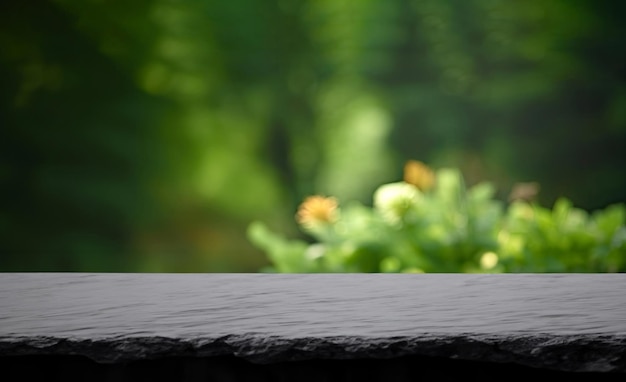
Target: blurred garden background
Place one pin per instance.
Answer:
(147, 135)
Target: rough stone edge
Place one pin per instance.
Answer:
(572, 353)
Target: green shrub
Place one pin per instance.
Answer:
(432, 222)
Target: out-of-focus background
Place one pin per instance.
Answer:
(146, 135)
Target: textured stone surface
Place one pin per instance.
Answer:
(572, 323)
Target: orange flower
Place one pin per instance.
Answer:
(316, 210)
(419, 175)
(524, 191)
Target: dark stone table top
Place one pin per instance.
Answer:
(570, 322)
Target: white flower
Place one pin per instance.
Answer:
(488, 260)
(394, 200)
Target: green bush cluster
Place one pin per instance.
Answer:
(447, 227)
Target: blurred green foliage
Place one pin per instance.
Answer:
(147, 135)
(449, 228)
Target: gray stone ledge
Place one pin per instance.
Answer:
(569, 323)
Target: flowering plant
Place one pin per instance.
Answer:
(431, 222)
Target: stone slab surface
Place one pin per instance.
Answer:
(568, 322)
